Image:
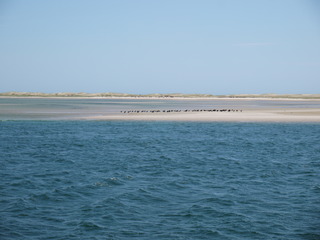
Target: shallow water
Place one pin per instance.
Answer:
(159, 180)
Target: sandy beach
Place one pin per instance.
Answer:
(257, 115)
(159, 109)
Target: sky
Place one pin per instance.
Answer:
(160, 46)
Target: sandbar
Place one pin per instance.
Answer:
(248, 109)
(256, 115)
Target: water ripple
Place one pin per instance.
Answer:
(142, 180)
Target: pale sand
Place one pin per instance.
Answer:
(247, 115)
(257, 115)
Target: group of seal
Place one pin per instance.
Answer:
(179, 110)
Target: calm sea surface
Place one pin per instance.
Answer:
(159, 180)
(155, 180)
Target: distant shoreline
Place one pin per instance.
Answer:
(215, 109)
(157, 96)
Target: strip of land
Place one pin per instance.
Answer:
(256, 115)
(239, 108)
(156, 95)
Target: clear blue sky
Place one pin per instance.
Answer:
(160, 46)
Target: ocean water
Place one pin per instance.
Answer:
(159, 180)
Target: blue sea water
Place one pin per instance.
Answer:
(159, 180)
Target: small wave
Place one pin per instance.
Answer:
(112, 181)
(40, 197)
(316, 188)
(89, 225)
(217, 200)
